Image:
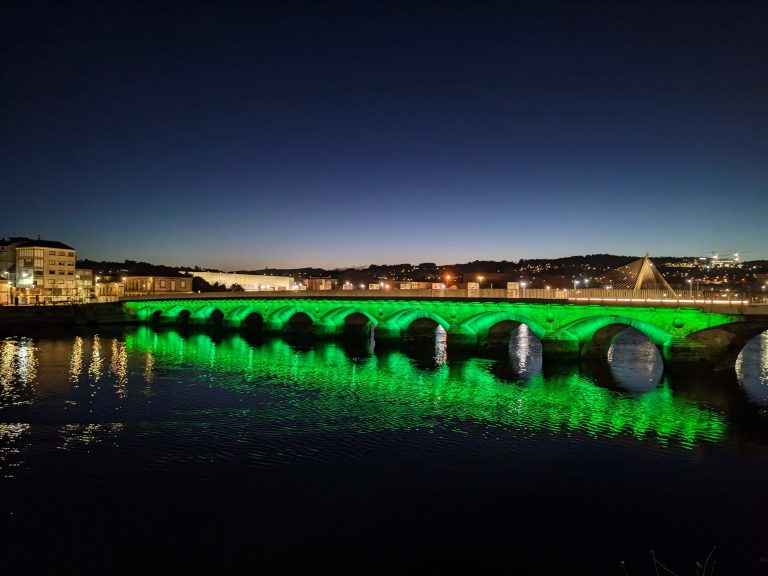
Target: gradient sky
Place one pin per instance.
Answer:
(243, 135)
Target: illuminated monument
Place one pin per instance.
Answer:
(639, 275)
(566, 330)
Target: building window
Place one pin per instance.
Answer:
(183, 283)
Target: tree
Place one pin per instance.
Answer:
(236, 288)
(202, 285)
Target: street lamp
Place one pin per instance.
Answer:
(690, 286)
(575, 284)
(480, 280)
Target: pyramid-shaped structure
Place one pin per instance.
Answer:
(640, 274)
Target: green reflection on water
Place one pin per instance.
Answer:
(407, 396)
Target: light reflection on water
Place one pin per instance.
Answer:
(635, 362)
(166, 376)
(525, 352)
(402, 394)
(159, 433)
(96, 364)
(76, 359)
(752, 369)
(18, 370)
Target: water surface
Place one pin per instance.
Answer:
(163, 452)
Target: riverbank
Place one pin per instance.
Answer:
(12, 317)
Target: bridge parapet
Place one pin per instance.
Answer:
(602, 297)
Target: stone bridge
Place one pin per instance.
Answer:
(566, 330)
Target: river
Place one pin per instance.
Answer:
(155, 452)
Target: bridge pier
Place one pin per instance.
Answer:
(688, 353)
(323, 331)
(387, 335)
(463, 339)
(560, 349)
(272, 327)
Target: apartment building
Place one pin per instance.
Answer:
(84, 284)
(137, 285)
(38, 271)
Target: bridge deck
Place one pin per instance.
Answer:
(538, 296)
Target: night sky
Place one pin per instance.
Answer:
(243, 135)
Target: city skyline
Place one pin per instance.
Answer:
(726, 254)
(254, 135)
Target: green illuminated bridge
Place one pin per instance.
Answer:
(566, 330)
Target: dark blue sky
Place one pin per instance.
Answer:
(240, 135)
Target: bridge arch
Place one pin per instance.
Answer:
(596, 334)
(293, 318)
(410, 322)
(246, 316)
(208, 314)
(176, 314)
(721, 345)
(495, 328)
(347, 320)
(149, 314)
(404, 318)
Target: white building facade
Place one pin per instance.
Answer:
(249, 282)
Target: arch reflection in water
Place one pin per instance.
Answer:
(635, 362)
(752, 369)
(388, 390)
(441, 346)
(525, 352)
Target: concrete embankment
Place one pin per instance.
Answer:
(12, 317)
